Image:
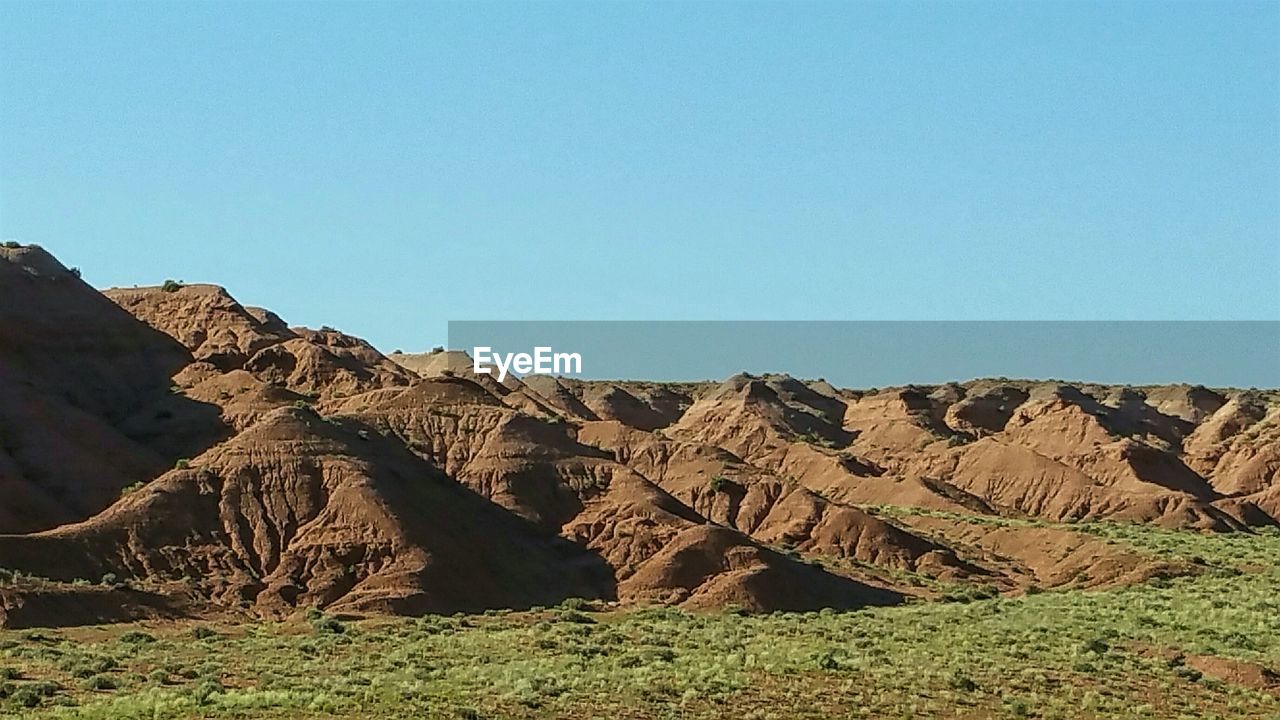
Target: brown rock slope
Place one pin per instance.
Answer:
(205, 319)
(283, 467)
(302, 510)
(1048, 450)
(537, 469)
(85, 401)
(776, 511)
(219, 331)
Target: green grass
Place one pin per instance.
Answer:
(1065, 654)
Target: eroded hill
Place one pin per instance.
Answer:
(205, 457)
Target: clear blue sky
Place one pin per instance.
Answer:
(385, 167)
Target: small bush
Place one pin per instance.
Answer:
(12, 244)
(182, 464)
(326, 625)
(1187, 673)
(720, 484)
(961, 681)
(1095, 646)
(90, 666)
(137, 637)
(44, 688)
(573, 616)
(100, 682)
(205, 690)
(201, 632)
(26, 697)
(171, 286)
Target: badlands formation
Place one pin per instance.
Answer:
(169, 452)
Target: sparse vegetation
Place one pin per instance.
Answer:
(1055, 654)
(1043, 655)
(815, 439)
(171, 286)
(132, 488)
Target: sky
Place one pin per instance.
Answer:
(384, 168)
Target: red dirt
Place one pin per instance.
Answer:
(283, 467)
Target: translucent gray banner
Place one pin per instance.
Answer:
(872, 354)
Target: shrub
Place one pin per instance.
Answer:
(171, 286)
(12, 244)
(326, 625)
(130, 489)
(1018, 707)
(720, 484)
(137, 637)
(813, 438)
(90, 666)
(829, 659)
(1187, 673)
(573, 616)
(201, 632)
(958, 680)
(202, 692)
(577, 603)
(182, 464)
(1095, 646)
(26, 697)
(100, 682)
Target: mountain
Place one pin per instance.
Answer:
(203, 456)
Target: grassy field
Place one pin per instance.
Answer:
(1070, 654)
